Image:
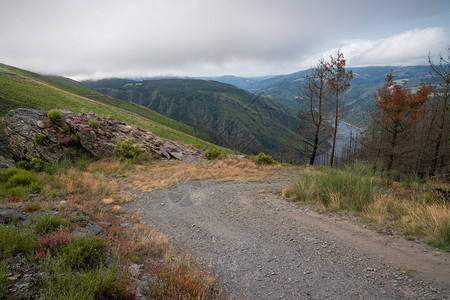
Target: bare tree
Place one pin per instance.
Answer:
(439, 125)
(313, 96)
(338, 82)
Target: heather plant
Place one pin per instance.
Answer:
(51, 243)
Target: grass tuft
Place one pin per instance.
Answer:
(48, 222)
(13, 239)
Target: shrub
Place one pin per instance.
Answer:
(74, 136)
(54, 115)
(263, 158)
(24, 178)
(32, 206)
(51, 243)
(127, 150)
(39, 138)
(38, 165)
(8, 173)
(93, 123)
(22, 164)
(212, 154)
(67, 141)
(13, 239)
(85, 253)
(48, 222)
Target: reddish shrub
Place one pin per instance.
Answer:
(50, 243)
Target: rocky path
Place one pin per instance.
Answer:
(261, 247)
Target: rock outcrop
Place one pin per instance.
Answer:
(33, 135)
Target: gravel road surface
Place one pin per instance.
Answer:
(259, 246)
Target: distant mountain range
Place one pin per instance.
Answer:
(245, 114)
(365, 83)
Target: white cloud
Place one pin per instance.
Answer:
(407, 48)
(81, 38)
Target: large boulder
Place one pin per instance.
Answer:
(33, 135)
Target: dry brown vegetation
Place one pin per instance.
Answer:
(97, 191)
(155, 175)
(414, 206)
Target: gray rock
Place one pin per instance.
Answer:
(22, 126)
(91, 229)
(6, 163)
(7, 215)
(125, 225)
(40, 124)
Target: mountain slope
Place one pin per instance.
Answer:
(365, 83)
(235, 118)
(20, 88)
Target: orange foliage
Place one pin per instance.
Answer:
(398, 104)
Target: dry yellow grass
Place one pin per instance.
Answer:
(414, 215)
(155, 175)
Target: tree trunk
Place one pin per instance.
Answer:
(334, 135)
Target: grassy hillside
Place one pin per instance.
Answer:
(235, 118)
(20, 88)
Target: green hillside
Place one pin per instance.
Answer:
(234, 118)
(20, 88)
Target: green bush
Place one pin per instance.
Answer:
(35, 164)
(54, 114)
(92, 123)
(47, 222)
(40, 138)
(263, 158)
(212, 154)
(8, 173)
(22, 164)
(127, 150)
(85, 253)
(22, 178)
(74, 136)
(38, 165)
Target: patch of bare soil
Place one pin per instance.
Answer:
(260, 246)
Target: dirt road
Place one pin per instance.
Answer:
(259, 246)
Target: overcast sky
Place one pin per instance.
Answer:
(108, 38)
